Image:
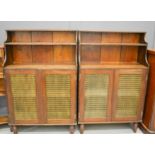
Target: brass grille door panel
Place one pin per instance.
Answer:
(95, 93)
(60, 97)
(23, 95)
(129, 95)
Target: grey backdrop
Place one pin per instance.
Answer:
(148, 27)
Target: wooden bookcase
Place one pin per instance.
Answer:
(148, 124)
(112, 77)
(41, 77)
(3, 114)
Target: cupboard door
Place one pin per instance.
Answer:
(129, 94)
(95, 95)
(22, 96)
(59, 90)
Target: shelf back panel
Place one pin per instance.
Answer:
(21, 54)
(131, 38)
(110, 53)
(129, 54)
(111, 37)
(90, 54)
(19, 36)
(42, 37)
(64, 37)
(41, 47)
(101, 47)
(42, 54)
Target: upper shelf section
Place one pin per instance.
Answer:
(112, 47)
(41, 38)
(32, 47)
(112, 39)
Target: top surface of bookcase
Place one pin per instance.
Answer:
(108, 31)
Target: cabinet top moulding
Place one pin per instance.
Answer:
(40, 30)
(103, 31)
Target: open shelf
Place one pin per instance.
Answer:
(113, 44)
(104, 47)
(40, 43)
(113, 66)
(41, 67)
(41, 47)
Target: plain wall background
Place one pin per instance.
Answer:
(148, 27)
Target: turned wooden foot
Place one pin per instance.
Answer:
(134, 127)
(15, 130)
(81, 128)
(11, 128)
(72, 129)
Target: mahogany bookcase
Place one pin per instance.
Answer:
(41, 77)
(112, 77)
